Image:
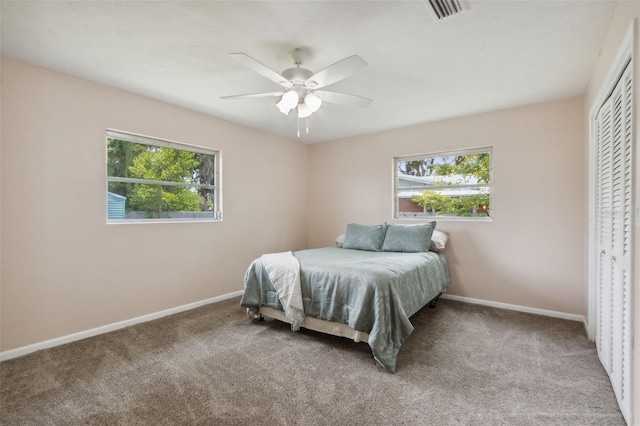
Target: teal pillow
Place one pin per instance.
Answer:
(408, 238)
(364, 237)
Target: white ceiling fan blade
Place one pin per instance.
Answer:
(253, 95)
(342, 98)
(261, 69)
(336, 72)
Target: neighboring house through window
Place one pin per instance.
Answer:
(151, 179)
(446, 185)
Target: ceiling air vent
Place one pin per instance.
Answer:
(443, 9)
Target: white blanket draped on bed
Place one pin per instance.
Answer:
(284, 272)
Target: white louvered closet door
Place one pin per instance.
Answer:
(614, 227)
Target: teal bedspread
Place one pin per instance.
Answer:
(374, 292)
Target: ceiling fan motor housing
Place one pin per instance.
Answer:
(297, 76)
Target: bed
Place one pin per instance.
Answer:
(364, 295)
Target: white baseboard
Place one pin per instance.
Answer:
(591, 332)
(519, 308)
(14, 353)
(24, 350)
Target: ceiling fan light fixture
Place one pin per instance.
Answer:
(304, 111)
(283, 108)
(312, 102)
(288, 102)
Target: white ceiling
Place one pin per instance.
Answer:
(497, 54)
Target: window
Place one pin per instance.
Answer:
(446, 185)
(155, 180)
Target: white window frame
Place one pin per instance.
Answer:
(468, 151)
(163, 143)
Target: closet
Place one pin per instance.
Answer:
(614, 201)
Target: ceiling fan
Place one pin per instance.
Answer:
(301, 86)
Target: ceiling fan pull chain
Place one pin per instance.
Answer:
(298, 126)
(307, 125)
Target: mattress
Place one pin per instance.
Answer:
(371, 292)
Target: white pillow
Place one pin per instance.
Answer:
(438, 240)
(340, 240)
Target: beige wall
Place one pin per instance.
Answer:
(531, 254)
(64, 270)
(626, 12)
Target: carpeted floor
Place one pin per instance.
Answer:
(463, 365)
